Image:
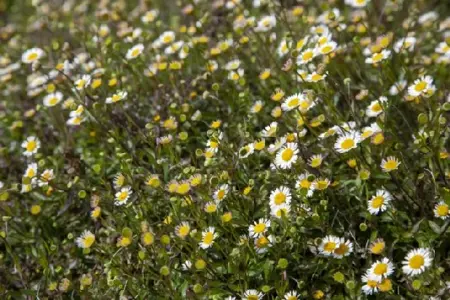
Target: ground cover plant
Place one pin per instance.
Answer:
(224, 149)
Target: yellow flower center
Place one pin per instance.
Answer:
(416, 262)
(377, 107)
(305, 183)
(287, 154)
(293, 102)
(307, 55)
(385, 285)
(377, 57)
(329, 246)
(88, 241)
(135, 52)
(315, 162)
(377, 248)
(442, 210)
(378, 138)
(183, 188)
(31, 173)
(279, 198)
(420, 86)
(377, 202)
(372, 283)
(347, 144)
(316, 77)
(390, 165)
(341, 250)
(31, 145)
(53, 101)
(380, 269)
(262, 242)
(322, 184)
(184, 230)
(326, 49)
(259, 228)
(32, 56)
(122, 196)
(220, 194)
(116, 98)
(252, 297)
(208, 238)
(211, 208)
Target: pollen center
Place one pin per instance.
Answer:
(377, 202)
(347, 144)
(380, 269)
(416, 262)
(280, 198)
(287, 154)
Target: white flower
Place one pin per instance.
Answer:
(263, 243)
(53, 99)
(86, 239)
(443, 48)
(381, 269)
(369, 131)
(208, 237)
(221, 193)
(422, 87)
(280, 196)
(389, 164)
(31, 145)
(150, 16)
(326, 48)
(344, 248)
(417, 261)
(266, 23)
(259, 228)
(292, 102)
(397, 87)
(377, 57)
(286, 156)
(329, 244)
(441, 210)
(376, 107)
(46, 177)
(306, 56)
(291, 295)
(117, 97)
(357, 3)
(270, 130)
(379, 202)
(233, 65)
(83, 82)
(280, 210)
(32, 55)
(371, 284)
(347, 142)
(123, 195)
(407, 43)
(134, 51)
(31, 170)
(252, 295)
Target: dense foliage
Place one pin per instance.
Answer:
(224, 149)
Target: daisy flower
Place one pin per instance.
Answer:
(291, 295)
(344, 249)
(370, 284)
(233, 65)
(315, 161)
(369, 131)
(117, 97)
(379, 56)
(252, 295)
(167, 37)
(329, 244)
(246, 151)
(46, 177)
(210, 207)
(270, 130)
(376, 107)
(407, 44)
(259, 227)
(347, 142)
(283, 48)
(279, 196)
(118, 181)
(416, 261)
(123, 195)
(31, 145)
(31, 170)
(150, 16)
(280, 210)
(320, 184)
(357, 3)
(266, 23)
(32, 55)
(182, 230)
(208, 237)
(315, 77)
(379, 202)
(256, 107)
(389, 164)
(326, 48)
(381, 269)
(422, 87)
(83, 82)
(236, 75)
(134, 51)
(53, 99)
(286, 156)
(377, 247)
(277, 145)
(397, 87)
(221, 193)
(306, 56)
(86, 239)
(441, 210)
(292, 102)
(263, 243)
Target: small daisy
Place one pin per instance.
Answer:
(303, 181)
(263, 243)
(266, 23)
(377, 247)
(246, 151)
(397, 87)
(381, 269)
(210, 207)
(221, 193)
(53, 99)
(119, 96)
(31, 170)
(292, 295)
(270, 130)
(344, 249)
(377, 57)
(208, 237)
(256, 107)
(233, 65)
(123, 195)
(306, 56)
(329, 244)
(407, 44)
(315, 161)
(320, 184)
(369, 131)
(287, 156)
(280, 210)
(379, 202)
(32, 55)
(134, 51)
(46, 177)
(86, 240)
(182, 230)
(150, 16)
(315, 77)
(441, 210)
(370, 284)
(31, 146)
(259, 227)
(326, 48)
(376, 107)
(347, 142)
(390, 164)
(83, 82)
(292, 102)
(422, 87)
(252, 295)
(279, 196)
(283, 48)
(417, 261)
(118, 181)
(357, 3)
(443, 48)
